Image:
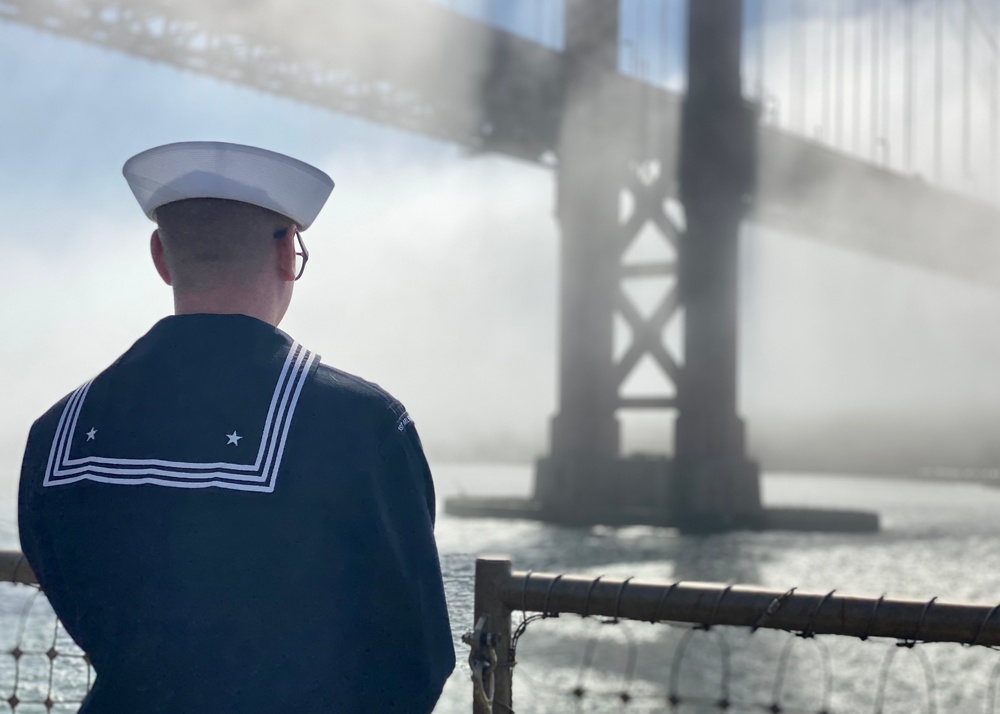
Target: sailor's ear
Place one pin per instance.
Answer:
(156, 250)
(284, 252)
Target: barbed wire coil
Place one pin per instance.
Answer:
(618, 602)
(715, 608)
(658, 613)
(771, 609)
(982, 626)
(546, 612)
(871, 618)
(920, 624)
(524, 592)
(590, 592)
(809, 632)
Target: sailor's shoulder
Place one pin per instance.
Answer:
(57, 411)
(337, 388)
(51, 417)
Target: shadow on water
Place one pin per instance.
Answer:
(658, 552)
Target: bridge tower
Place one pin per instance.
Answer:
(709, 483)
(717, 172)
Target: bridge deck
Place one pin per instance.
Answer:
(420, 68)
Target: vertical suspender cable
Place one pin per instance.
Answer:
(555, 17)
(824, 128)
(559, 12)
(622, 46)
(908, 90)
(640, 40)
(761, 23)
(938, 86)
(637, 39)
(541, 22)
(652, 49)
(987, 28)
(966, 93)
(559, 24)
(633, 40)
(645, 46)
(876, 16)
(744, 48)
(664, 40)
(803, 69)
(639, 18)
(684, 9)
(839, 103)
(994, 112)
(626, 44)
(886, 90)
(749, 53)
(793, 109)
(856, 104)
(652, 53)
(648, 40)
(551, 12)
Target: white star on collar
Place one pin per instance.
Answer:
(91, 434)
(234, 438)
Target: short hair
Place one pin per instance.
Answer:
(211, 242)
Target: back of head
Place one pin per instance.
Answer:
(209, 243)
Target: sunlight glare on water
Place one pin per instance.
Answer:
(937, 539)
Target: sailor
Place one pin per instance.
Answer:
(223, 522)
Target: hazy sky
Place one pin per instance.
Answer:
(432, 273)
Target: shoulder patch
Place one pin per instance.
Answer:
(403, 421)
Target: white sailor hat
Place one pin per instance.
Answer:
(215, 169)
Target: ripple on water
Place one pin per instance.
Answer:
(937, 540)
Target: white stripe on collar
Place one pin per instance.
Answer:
(258, 476)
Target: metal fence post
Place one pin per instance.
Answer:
(14, 568)
(491, 574)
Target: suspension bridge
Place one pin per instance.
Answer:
(870, 124)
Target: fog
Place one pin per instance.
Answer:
(434, 271)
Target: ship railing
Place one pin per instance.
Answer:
(14, 568)
(41, 668)
(501, 593)
(45, 668)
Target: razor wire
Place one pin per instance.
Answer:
(727, 668)
(670, 666)
(41, 668)
(592, 661)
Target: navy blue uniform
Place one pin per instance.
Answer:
(224, 524)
